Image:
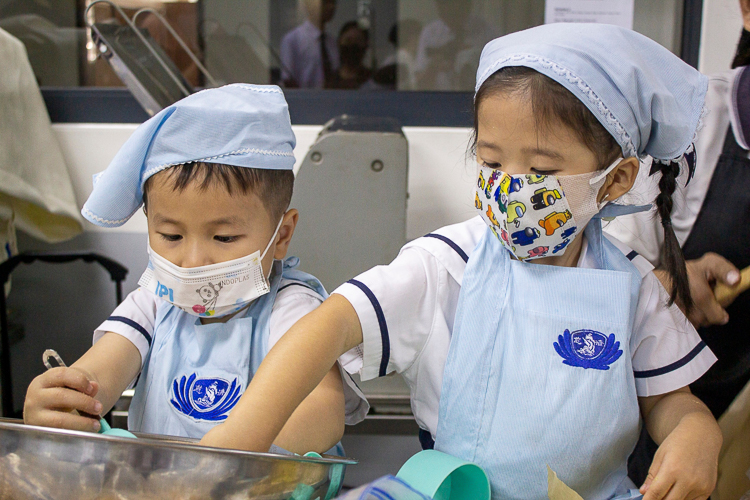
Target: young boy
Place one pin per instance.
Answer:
(214, 175)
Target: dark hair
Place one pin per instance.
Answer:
(353, 24)
(672, 257)
(273, 187)
(552, 103)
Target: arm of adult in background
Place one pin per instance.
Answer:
(291, 370)
(703, 274)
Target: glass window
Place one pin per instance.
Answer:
(345, 44)
(367, 45)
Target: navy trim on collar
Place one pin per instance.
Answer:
(297, 283)
(385, 339)
(450, 243)
(673, 366)
(632, 255)
(133, 325)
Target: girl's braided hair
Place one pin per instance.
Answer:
(672, 257)
(552, 104)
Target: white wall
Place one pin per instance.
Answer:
(720, 32)
(440, 180)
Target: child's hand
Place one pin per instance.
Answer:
(685, 465)
(59, 396)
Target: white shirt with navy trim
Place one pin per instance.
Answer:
(134, 319)
(406, 310)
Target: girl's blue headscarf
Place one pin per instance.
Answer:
(241, 125)
(645, 96)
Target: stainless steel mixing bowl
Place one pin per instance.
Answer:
(42, 463)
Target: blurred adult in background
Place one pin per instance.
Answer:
(711, 219)
(310, 56)
(353, 43)
(399, 68)
(449, 47)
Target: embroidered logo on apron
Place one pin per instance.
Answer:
(205, 398)
(588, 349)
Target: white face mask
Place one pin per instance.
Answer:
(537, 216)
(208, 291)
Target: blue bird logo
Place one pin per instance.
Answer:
(205, 398)
(588, 349)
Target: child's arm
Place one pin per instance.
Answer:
(91, 385)
(291, 370)
(318, 422)
(685, 465)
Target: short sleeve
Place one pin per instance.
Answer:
(294, 301)
(668, 353)
(133, 319)
(396, 305)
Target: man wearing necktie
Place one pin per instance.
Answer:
(309, 55)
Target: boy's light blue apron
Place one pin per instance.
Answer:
(194, 374)
(539, 371)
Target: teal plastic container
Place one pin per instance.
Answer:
(444, 477)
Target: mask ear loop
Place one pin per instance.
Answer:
(278, 226)
(606, 171)
(601, 176)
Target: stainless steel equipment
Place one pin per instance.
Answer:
(351, 192)
(43, 463)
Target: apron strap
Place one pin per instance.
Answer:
(613, 210)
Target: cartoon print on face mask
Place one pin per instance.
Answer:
(491, 183)
(560, 246)
(568, 232)
(477, 202)
(209, 294)
(555, 221)
(501, 199)
(504, 236)
(544, 198)
(535, 179)
(511, 184)
(491, 216)
(538, 251)
(526, 236)
(516, 209)
(480, 182)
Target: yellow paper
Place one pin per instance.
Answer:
(557, 490)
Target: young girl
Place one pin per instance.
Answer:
(532, 342)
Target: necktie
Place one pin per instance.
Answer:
(328, 74)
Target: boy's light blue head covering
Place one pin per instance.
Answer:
(241, 125)
(645, 96)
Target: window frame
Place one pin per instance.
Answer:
(316, 107)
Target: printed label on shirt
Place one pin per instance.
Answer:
(588, 349)
(205, 398)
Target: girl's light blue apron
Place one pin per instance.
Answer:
(539, 371)
(194, 374)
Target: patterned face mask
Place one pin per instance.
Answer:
(212, 290)
(537, 216)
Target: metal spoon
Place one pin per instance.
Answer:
(104, 427)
